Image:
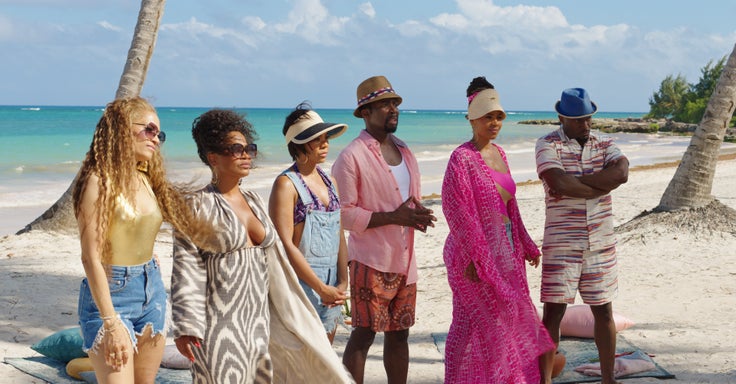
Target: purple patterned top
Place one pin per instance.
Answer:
(300, 210)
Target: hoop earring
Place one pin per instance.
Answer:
(215, 179)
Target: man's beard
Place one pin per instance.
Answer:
(389, 127)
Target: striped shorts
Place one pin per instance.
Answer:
(593, 273)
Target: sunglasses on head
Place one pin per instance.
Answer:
(237, 150)
(151, 130)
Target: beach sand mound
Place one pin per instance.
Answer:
(714, 221)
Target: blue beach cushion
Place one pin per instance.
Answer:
(88, 377)
(63, 346)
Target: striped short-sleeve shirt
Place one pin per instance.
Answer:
(572, 222)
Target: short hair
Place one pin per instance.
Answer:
(298, 113)
(210, 130)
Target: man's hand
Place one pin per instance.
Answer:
(413, 214)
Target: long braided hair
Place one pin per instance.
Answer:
(112, 159)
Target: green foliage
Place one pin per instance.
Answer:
(666, 101)
(692, 111)
(682, 101)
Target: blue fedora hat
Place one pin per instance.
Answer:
(575, 104)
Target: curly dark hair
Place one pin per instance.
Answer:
(296, 149)
(211, 128)
(478, 84)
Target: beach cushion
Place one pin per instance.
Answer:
(174, 359)
(88, 377)
(77, 366)
(63, 346)
(579, 322)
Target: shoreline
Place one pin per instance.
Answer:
(24, 199)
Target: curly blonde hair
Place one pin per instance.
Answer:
(111, 158)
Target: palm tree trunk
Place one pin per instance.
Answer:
(60, 217)
(141, 48)
(692, 183)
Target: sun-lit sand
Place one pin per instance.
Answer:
(679, 287)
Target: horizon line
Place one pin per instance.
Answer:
(39, 106)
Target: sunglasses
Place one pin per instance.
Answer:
(237, 150)
(151, 130)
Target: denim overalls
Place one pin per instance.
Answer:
(319, 244)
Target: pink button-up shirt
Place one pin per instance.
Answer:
(366, 185)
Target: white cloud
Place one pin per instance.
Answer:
(453, 22)
(367, 9)
(108, 26)
(412, 28)
(6, 28)
(485, 13)
(254, 23)
(203, 31)
(311, 20)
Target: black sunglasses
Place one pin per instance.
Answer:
(151, 130)
(237, 150)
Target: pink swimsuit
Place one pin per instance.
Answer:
(505, 181)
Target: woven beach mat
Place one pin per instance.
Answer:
(54, 371)
(579, 351)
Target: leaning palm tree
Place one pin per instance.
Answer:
(60, 216)
(693, 181)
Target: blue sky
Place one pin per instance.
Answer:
(277, 53)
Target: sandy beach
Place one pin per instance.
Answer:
(679, 287)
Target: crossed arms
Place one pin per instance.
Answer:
(590, 186)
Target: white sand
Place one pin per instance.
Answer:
(679, 287)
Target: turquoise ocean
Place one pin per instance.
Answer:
(42, 147)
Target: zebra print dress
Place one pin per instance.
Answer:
(246, 305)
(222, 298)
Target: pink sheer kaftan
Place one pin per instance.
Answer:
(495, 335)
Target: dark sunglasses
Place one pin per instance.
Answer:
(237, 150)
(151, 130)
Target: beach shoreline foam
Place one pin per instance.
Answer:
(677, 286)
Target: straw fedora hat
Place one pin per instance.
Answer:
(310, 126)
(373, 89)
(575, 104)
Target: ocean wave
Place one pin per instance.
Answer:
(30, 109)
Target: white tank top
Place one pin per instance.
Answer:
(401, 174)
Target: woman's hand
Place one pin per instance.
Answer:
(471, 274)
(117, 344)
(533, 260)
(184, 345)
(332, 296)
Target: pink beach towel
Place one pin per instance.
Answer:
(623, 366)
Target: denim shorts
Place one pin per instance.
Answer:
(330, 317)
(138, 295)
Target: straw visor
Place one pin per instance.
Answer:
(311, 126)
(485, 101)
